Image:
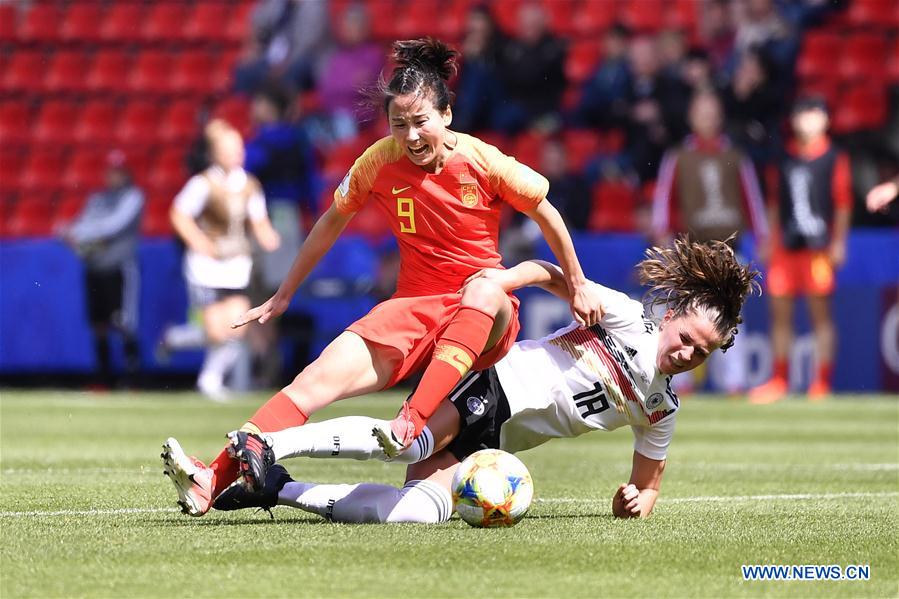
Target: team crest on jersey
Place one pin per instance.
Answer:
(475, 405)
(654, 401)
(469, 195)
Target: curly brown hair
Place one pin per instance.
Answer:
(691, 276)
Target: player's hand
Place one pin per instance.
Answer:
(273, 308)
(502, 277)
(881, 195)
(626, 501)
(586, 305)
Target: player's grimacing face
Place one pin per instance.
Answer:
(419, 128)
(685, 342)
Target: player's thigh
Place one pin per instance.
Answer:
(782, 310)
(348, 366)
(819, 309)
(439, 469)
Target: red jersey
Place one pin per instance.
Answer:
(446, 224)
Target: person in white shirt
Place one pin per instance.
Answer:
(579, 379)
(211, 214)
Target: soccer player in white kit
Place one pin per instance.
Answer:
(576, 380)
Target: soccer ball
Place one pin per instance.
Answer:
(492, 489)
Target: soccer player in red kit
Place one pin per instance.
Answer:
(441, 191)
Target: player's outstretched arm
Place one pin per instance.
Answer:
(585, 302)
(536, 273)
(323, 235)
(636, 498)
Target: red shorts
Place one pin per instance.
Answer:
(412, 326)
(800, 272)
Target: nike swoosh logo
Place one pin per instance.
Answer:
(395, 191)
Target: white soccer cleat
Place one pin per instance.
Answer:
(390, 445)
(191, 477)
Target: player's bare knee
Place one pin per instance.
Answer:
(484, 295)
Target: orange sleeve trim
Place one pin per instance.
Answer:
(353, 191)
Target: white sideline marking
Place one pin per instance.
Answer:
(699, 499)
(738, 498)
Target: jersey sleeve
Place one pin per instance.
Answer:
(192, 197)
(653, 441)
(353, 191)
(517, 184)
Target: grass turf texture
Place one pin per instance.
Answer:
(66, 452)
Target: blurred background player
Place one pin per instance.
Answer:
(809, 210)
(105, 235)
(880, 196)
(440, 191)
(708, 188)
(211, 214)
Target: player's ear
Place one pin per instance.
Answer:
(447, 116)
(669, 316)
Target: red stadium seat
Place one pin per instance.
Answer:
(164, 22)
(561, 15)
(42, 23)
(42, 171)
(9, 22)
(581, 145)
(527, 147)
(122, 22)
(506, 15)
(339, 159)
(66, 72)
(820, 53)
(644, 16)
(871, 13)
(82, 22)
(417, 19)
(179, 123)
(614, 207)
(168, 170)
(85, 171)
(156, 221)
(238, 25)
(11, 162)
(139, 125)
(109, 71)
(53, 125)
(235, 110)
(25, 72)
(15, 122)
(30, 215)
(97, 123)
(682, 14)
(68, 206)
(863, 57)
(583, 57)
(192, 73)
(893, 63)
(453, 15)
(861, 107)
(383, 14)
(207, 22)
(594, 17)
(223, 71)
(151, 73)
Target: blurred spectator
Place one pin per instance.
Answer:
(348, 71)
(709, 189)
(105, 235)
(809, 211)
(649, 99)
(602, 101)
(717, 33)
(287, 41)
(568, 191)
(532, 71)
(697, 72)
(753, 108)
(761, 27)
(478, 90)
(211, 214)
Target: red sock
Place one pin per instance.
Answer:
(224, 472)
(457, 349)
(781, 369)
(277, 414)
(825, 370)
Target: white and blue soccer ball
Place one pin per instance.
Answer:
(491, 489)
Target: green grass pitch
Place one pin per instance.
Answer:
(86, 511)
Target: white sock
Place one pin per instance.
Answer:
(218, 362)
(418, 501)
(184, 336)
(349, 438)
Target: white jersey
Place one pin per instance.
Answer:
(581, 379)
(203, 270)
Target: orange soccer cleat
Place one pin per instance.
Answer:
(819, 390)
(772, 391)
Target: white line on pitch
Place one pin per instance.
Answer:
(736, 498)
(112, 512)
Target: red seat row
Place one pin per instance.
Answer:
(827, 54)
(127, 21)
(156, 72)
